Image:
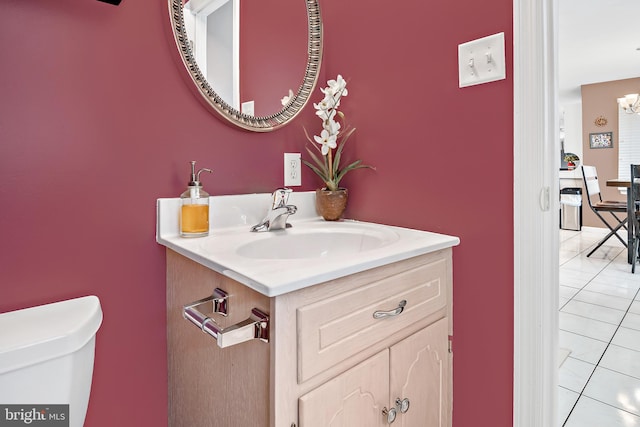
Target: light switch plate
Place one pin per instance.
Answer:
(292, 170)
(481, 60)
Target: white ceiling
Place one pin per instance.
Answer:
(599, 41)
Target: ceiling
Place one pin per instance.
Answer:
(599, 41)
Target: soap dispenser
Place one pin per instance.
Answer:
(194, 207)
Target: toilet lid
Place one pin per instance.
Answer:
(36, 334)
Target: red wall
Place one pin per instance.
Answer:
(444, 163)
(96, 122)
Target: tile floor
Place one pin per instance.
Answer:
(599, 382)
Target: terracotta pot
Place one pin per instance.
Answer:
(331, 204)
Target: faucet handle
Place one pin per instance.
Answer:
(281, 197)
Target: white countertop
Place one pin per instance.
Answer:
(231, 217)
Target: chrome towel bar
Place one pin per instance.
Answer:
(256, 326)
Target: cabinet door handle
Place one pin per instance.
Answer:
(389, 414)
(396, 311)
(402, 405)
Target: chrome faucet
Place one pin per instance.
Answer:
(277, 216)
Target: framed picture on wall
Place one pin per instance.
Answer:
(601, 140)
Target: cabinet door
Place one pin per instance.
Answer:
(420, 373)
(352, 399)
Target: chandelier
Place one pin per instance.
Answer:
(630, 103)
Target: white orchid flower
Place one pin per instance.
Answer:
(335, 101)
(327, 141)
(322, 106)
(328, 92)
(327, 165)
(286, 99)
(332, 126)
(328, 114)
(327, 103)
(337, 86)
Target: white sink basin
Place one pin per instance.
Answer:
(311, 252)
(317, 241)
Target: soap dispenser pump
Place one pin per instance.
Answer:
(194, 206)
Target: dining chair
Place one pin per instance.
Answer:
(599, 206)
(635, 215)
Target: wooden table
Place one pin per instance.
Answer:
(626, 183)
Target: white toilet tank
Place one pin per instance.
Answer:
(46, 358)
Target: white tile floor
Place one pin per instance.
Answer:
(599, 382)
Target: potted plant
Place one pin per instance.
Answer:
(326, 151)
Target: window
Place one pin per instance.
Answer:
(629, 142)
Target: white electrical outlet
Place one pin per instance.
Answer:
(292, 170)
(248, 107)
(481, 61)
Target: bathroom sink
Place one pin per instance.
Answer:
(313, 251)
(323, 240)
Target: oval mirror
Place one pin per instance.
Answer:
(257, 77)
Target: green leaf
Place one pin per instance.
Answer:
(314, 157)
(331, 186)
(307, 135)
(320, 161)
(338, 153)
(317, 171)
(355, 165)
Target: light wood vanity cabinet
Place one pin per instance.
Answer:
(416, 367)
(328, 362)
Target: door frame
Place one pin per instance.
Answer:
(536, 207)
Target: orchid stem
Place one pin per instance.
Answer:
(330, 155)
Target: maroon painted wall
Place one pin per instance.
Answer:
(444, 163)
(96, 122)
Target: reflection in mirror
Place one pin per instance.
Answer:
(213, 30)
(244, 56)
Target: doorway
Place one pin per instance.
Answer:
(536, 241)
